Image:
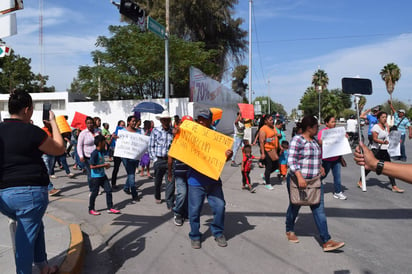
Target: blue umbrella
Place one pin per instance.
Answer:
(150, 107)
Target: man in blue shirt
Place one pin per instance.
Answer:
(201, 187)
(403, 124)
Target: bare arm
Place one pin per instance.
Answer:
(364, 114)
(396, 170)
(53, 145)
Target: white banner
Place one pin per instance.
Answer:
(131, 145)
(206, 91)
(335, 143)
(394, 148)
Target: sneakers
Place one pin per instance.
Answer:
(94, 213)
(178, 220)
(339, 196)
(234, 164)
(54, 191)
(252, 190)
(127, 191)
(292, 237)
(70, 175)
(332, 245)
(269, 186)
(195, 244)
(113, 211)
(397, 189)
(221, 241)
(53, 176)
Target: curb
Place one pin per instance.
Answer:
(73, 263)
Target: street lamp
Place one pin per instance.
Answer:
(319, 91)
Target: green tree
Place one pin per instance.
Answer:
(132, 65)
(332, 102)
(391, 74)
(207, 21)
(15, 73)
(238, 76)
(320, 79)
(397, 105)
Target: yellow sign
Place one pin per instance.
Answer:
(201, 148)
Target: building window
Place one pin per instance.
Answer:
(55, 104)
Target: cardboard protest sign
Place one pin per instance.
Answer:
(335, 143)
(79, 121)
(131, 145)
(394, 148)
(201, 148)
(247, 110)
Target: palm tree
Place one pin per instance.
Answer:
(391, 74)
(320, 79)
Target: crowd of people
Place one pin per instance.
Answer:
(299, 160)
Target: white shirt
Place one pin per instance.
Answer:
(351, 125)
(382, 135)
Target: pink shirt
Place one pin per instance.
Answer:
(85, 143)
(331, 159)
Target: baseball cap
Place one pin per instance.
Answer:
(402, 110)
(205, 113)
(187, 117)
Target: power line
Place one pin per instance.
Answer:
(335, 37)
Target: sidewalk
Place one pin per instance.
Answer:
(64, 245)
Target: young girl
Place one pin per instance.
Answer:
(99, 178)
(246, 167)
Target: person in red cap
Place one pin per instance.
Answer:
(177, 174)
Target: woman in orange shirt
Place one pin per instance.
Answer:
(269, 144)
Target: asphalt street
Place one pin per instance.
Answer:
(374, 225)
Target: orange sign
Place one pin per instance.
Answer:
(201, 148)
(247, 110)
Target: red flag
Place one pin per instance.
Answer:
(247, 110)
(79, 120)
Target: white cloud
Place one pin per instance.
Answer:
(290, 80)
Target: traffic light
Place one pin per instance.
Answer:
(131, 10)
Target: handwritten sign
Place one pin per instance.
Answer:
(334, 142)
(247, 110)
(201, 148)
(131, 145)
(394, 148)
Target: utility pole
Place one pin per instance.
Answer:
(250, 51)
(167, 57)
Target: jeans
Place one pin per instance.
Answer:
(180, 207)
(335, 166)
(403, 152)
(63, 162)
(96, 183)
(117, 161)
(236, 144)
(381, 154)
(131, 175)
(318, 213)
(216, 200)
(86, 165)
(160, 170)
(49, 162)
(27, 206)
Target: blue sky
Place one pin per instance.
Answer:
(291, 40)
